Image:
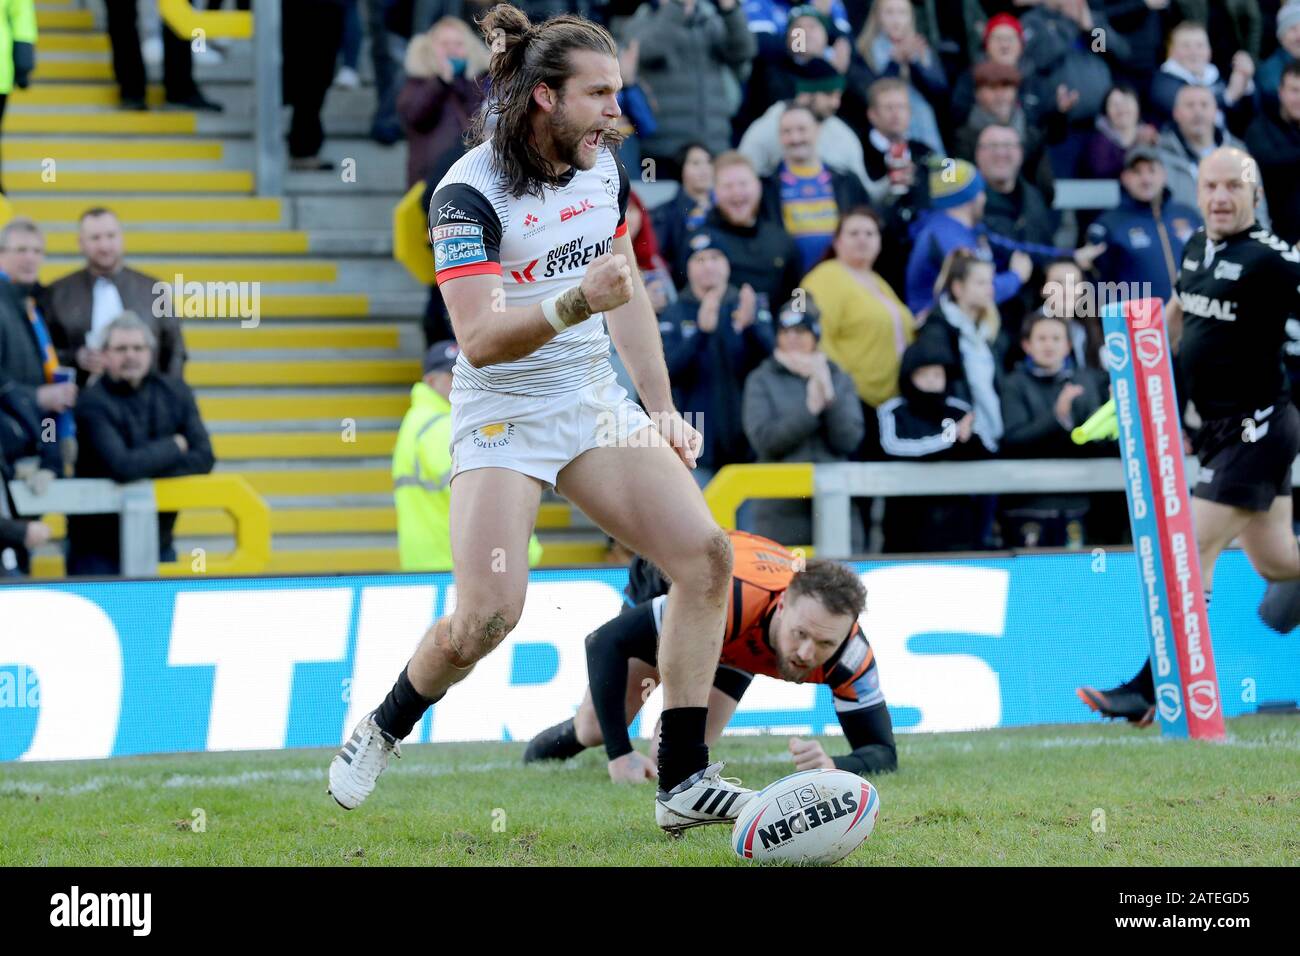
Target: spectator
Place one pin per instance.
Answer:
(804, 194)
(441, 94)
(957, 201)
(713, 338)
(1239, 22)
(1063, 73)
(1269, 76)
(820, 89)
(1141, 24)
(966, 324)
(422, 469)
(799, 406)
(1004, 44)
(689, 50)
(898, 171)
(762, 254)
(997, 104)
(17, 49)
(1042, 401)
(890, 45)
(1119, 129)
(82, 305)
(23, 453)
(1189, 65)
(132, 424)
(1190, 138)
(1014, 206)
(769, 21)
(1274, 139)
(179, 87)
(1066, 293)
(927, 422)
(28, 359)
(809, 42)
(865, 326)
(308, 66)
(1146, 233)
(688, 208)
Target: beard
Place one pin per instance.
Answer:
(566, 140)
(789, 672)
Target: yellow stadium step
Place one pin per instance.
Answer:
(218, 270)
(113, 150)
(206, 181)
(322, 520)
(194, 241)
(319, 481)
(347, 305)
(47, 70)
(304, 372)
(333, 444)
(333, 560)
(269, 408)
(64, 20)
(78, 94)
(180, 122)
(296, 337)
(130, 209)
(54, 42)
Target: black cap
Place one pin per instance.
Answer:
(1141, 154)
(706, 237)
(807, 317)
(441, 356)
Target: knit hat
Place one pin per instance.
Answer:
(808, 10)
(1003, 20)
(818, 76)
(706, 238)
(807, 317)
(1287, 17)
(954, 183)
(441, 356)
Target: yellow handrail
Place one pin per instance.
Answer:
(185, 21)
(411, 235)
(234, 495)
(735, 484)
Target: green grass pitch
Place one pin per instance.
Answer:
(1067, 795)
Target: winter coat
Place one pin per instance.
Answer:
(780, 427)
(434, 114)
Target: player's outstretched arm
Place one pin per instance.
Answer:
(870, 733)
(609, 648)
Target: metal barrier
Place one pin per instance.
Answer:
(831, 486)
(190, 24)
(137, 504)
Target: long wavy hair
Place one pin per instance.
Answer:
(524, 55)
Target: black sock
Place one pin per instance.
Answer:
(402, 708)
(554, 743)
(682, 750)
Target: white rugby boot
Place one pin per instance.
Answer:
(702, 798)
(357, 766)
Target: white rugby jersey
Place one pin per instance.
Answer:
(539, 247)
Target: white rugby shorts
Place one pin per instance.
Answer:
(538, 436)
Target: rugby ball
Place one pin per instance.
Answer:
(814, 816)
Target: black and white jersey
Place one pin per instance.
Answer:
(1237, 294)
(539, 247)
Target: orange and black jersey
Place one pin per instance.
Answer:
(761, 571)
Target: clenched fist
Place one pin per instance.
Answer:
(608, 282)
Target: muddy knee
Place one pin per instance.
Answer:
(474, 634)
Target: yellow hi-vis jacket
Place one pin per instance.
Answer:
(17, 25)
(422, 485)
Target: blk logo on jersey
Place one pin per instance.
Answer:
(568, 212)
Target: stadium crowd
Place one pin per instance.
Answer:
(845, 212)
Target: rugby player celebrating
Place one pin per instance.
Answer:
(787, 620)
(1237, 286)
(533, 257)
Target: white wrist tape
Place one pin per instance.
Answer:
(553, 316)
